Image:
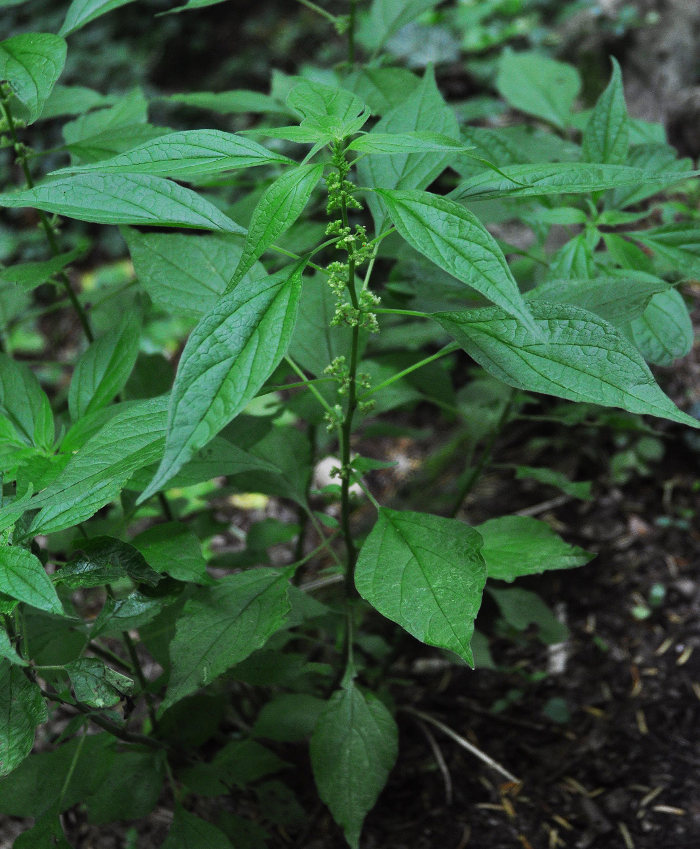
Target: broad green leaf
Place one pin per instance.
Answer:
(185, 154)
(131, 788)
(606, 137)
(228, 357)
(617, 299)
(551, 477)
(382, 88)
(31, 63)
(664, 332)
(386, 17)
(29, 275)
(538, 85)
(519, 545)
(288, 717)
(221, 625)
(353, 749)
(239, 763)
(416, 142)
(22, 708)
(183, 272)
(456, 241)
(656, 158)
(103, 370)
(101, 560)
(46, 833)
(332, 111)
(522, 608)
(516, 181)
(123, 199)
(424, 110)
(95, 684)
(73, 100)
(278, 208)
(81, 12)
(190, 832)
(132, 611)
(578, 356)
(23, 577)
(173, 548)
(24, 403)
(227, 102)
(96, 474)
(675, 247)
(427, 574)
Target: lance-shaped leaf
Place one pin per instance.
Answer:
(427, 574)
(423, 110)
(557, 178)
(22, 708)
(24, 403)
(455, 240)
(102, 371)
(278, 208)
(28, 275)
(31, 63)
(577, 355)
(123, 199)
(353, 750)
(97, 685)
(606, 137)
(416, 142)
(221, 625)
(520, 545)
(185, 154)
(97, 473)
(230, 354)
(226, 102)
(81, 12)
(23, 577)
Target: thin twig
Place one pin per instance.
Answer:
(439, 759)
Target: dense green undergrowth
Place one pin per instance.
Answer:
(328, 266)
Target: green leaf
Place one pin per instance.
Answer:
(227, 102)
(7, 650)
(515, 181)
(186, 273)
(664, 332)
(103, 370)
(193, 4)
(174, 549)
(522, 608)
(551, 477)
(239, 763)
(386, 17)
(130, 789)
(95, 685)
(382, 88)
(675, 247)
(228, 357)
(123, 199)
(22, 708)
(519, 545)
(190, 832)
(653, 159)
(29, 275)
(455, 240)
(184, 155)
(289, 717)
(81, 12)
(278, 208)
(101, 560)
(23, 577)
(353, 750)
(46, 833)
(416, 142)
(538, 85)
(617, 299)
(97, 473)
(578, 356)
(25, 404)
(427, 574)
(221, 625)
(606, 137)
(424, 110)
(331, 111)
(73, 100)
(31, 63)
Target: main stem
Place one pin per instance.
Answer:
(45, 223)
(346, 430)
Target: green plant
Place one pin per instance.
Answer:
(308, 319)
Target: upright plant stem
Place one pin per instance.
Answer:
(45, 223)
